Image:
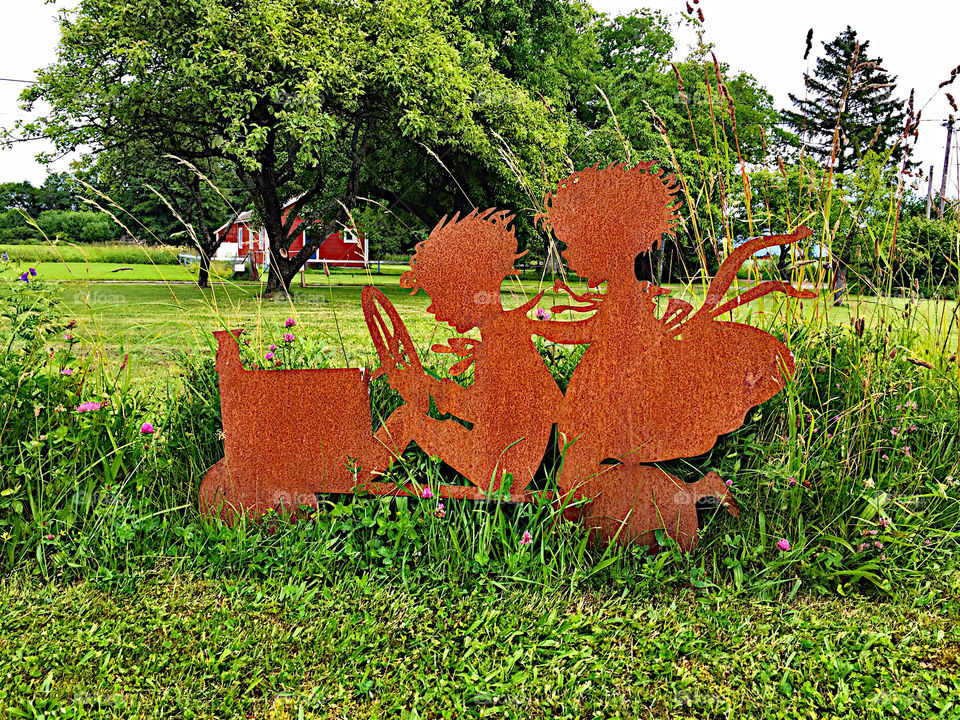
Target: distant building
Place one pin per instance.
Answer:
(239, 239)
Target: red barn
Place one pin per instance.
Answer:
(344, 248)
(238, 239)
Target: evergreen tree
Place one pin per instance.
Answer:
(850, 88)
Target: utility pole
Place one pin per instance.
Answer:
(929, 192)
(946, 166)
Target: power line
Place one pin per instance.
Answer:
(14, 80)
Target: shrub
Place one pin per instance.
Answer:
(192, 425)
(124, 253)
(79, 226)
(854, 463)
(927, 253)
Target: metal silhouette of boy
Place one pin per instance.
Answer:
(513, 401)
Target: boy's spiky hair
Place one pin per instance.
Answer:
(476, 248)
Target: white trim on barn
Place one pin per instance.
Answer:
(230, 251)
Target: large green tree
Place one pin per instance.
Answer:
(849, 107)
(693, 116)
(541, 54)
(307, 100)
(56, 193)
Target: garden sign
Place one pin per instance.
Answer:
(651, 386)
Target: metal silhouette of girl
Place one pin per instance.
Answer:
(650, 388)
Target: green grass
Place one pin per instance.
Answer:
(144, 272)
(343, 647)
(379, 608)
(154, 322)
(105, 272)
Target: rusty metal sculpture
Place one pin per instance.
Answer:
(649, 388)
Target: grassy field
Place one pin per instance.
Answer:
(154, 322)
(160, 273)
(104, 272)
(154, 312)
(378, 608)
(183, 647)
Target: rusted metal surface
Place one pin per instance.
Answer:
(288, 434)
(652, 386)
(513, 400)
(630, 501)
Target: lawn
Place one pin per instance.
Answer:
(178, 646)
(105, 272)
(387, 608)
(153, 322)
(163, 273)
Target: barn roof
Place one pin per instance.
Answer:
(245, 216)
(241, 218)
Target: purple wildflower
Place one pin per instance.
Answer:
(288, 337)
(268, 356)
(90, 406)
(66, 371)
(783, 544)
(289, 322)
(426, 493)
(146, 429)
(542, 314)
(527, 538)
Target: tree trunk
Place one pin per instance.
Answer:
(660, 252)
(782, 262)
(203, 279)
(839, 284)
(207, 241)
(284, 265)
(280, 275)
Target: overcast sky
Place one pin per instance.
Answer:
(917, 41)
